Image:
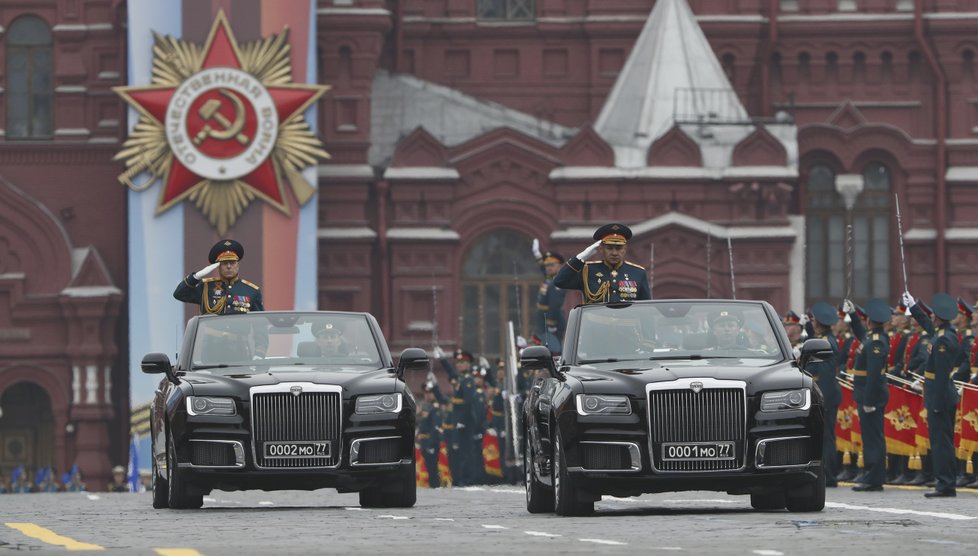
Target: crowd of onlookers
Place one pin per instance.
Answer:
(46, 479)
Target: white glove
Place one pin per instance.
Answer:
(256, 357)
(917, 386)
(586, 254)
(536, 249)
(483, 362)
(869, 408)
(908, 300)
(438, 352)
(803, 320)
(206, 270)
(848, 307)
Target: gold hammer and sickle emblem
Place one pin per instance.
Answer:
(211, 110)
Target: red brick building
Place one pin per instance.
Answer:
(461, 129)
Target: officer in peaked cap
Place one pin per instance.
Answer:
(966, 337)
(550, 322)
(870, 392)
(611, 280)
(793, 327)
(940, 395)
(227, 293)
(825, 373)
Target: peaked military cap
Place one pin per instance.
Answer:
(964, 308)
(613, 234)
(791, 317)
(878, 310)
(325, 329)
(462, 355)
(226, 250)
(723, 315)
(944, 306)
(825, 314)
(552, 257)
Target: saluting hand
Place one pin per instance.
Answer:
(586, 254)
(206, 270)
(536, 249)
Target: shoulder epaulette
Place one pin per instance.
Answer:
(209, 280)
(635, 265)
(243, 281)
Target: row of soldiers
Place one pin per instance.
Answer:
(926, 346)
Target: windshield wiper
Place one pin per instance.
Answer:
(217, 366)
(607, 360)
(693, 357)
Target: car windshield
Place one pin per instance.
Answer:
(677, 331)
(294, 339)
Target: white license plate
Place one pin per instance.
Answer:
(697, 451)
(320, 449)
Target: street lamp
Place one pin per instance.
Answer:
(849, 186)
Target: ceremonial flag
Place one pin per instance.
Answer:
(847, 422)
(133, 471)
(899, 424)
(444, 472)
(969, 421)
(922, 436)
(490, 453)
(421, 470)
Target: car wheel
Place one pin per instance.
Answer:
(539, 499)
(401, 492)
(566, 500)
(768, 500)
(160, 487)
(177, 496)
(808, 498)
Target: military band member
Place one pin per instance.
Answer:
(550, 321)
(940, 395)
(871, 393)
(225, 294)
(825, 374)
(611, 280)
(793, 327)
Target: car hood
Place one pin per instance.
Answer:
(237, 382)
(627, 377)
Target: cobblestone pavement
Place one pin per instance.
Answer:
(490, 519)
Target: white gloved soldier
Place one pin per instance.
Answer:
(908, 300)
(583, 256)
(206, 270)
(536, 249)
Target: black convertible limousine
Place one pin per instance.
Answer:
(283, 400)
(659, 396)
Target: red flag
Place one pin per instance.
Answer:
(922, 436)
(853, 349)
(490, 453)
(847, 421)
(420, 469)
(900, 425)
(969, 421)
(444, 472)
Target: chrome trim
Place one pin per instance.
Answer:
(633, 452)
(239, 455)
(584, 413)
(307, 387)
(686, 384)
(355, 452)
(758, 456)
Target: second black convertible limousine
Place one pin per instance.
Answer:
(283, 400)
(662, 396)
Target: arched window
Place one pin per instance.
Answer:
(871, 235)
(500, 279)
(29, 92)
(825, 236)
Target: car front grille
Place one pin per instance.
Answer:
(605, 457)
(785, 452)
(381, 450)
(286, 417)
(211, 454)
(681, 415)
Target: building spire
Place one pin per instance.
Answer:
(671, 70)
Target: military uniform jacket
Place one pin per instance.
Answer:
(602, 284)
(966, 339)
(550, 320)
(825, 372)
(214, 296)
(939, 391)
(429, 435)
(869, 372)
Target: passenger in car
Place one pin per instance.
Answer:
(330, 339)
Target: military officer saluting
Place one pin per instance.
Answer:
(611, 280)
(225, 294)
(870, 391)
(550, 323)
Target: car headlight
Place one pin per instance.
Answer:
(786, 399)
(381, 403)
(595, 404)
(201, 405)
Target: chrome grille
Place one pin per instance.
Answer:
(386, 450)
(285, 417)
(212, 454)
(605, 456)
(711, 415)
(785, 452)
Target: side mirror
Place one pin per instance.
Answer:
(157, 363)
(537, 358)
(412, 358)
(815, 350)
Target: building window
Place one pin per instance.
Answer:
(826, 233)
(507, 9)
(29, 92)
(500, 280)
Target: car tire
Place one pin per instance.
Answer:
(177, 496)
(161, 495)
(768, 500)
(401, 492)
(539, 498)
(809, 498)
(566, 502)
